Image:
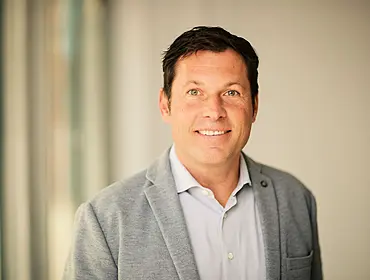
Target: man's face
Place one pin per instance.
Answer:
(211, 111)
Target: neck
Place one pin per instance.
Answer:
(221, 179)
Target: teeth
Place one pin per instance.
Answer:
(211, 133)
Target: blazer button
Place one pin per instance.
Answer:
(264, 183)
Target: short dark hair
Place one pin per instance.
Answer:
(205, 38)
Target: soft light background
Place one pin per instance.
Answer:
(80, 82)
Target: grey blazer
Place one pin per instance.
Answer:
(136, 229)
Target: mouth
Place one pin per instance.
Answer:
(212, 132)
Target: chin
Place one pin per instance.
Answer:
(212, 156)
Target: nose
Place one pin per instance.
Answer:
(214, 108)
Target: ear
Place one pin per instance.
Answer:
(255, 109)
(164, 105)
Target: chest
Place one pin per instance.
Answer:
(227, 241)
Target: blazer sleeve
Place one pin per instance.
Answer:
(316, 271)
(90, 256)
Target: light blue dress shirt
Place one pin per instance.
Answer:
(227, 241)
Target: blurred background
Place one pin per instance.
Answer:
(79, 88)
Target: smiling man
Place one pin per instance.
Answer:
(203, 210)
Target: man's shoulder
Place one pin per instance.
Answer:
(291, 194)
(128, 196)
(120, 194)
(285, 182)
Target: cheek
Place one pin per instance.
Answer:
(186, 109)
(240, 112)
(248, 112)
(183, 116)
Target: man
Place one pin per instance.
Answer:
(203, 210)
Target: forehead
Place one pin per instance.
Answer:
(225, 64)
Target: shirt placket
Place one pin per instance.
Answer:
(229, 252)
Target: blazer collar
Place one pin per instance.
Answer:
(163, 199)
(165, 203)
(264, 193)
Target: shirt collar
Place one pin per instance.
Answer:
(184, 180)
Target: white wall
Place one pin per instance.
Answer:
(314, 119)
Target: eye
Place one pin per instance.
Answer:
(232, 93)
(193, 92)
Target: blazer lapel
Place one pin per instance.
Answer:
(265, 197)
(164, 201)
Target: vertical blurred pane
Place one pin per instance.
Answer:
(1, 139)
(16, 219)
(54, 126)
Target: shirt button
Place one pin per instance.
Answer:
(225, 215)
(230, 256)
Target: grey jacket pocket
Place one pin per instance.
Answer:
(299, 268)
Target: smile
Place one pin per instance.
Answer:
(213, 132)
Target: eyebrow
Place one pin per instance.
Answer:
(199, 83)
(194, 82)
